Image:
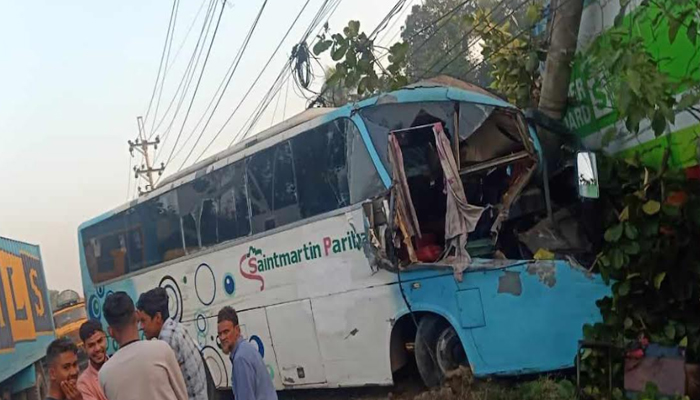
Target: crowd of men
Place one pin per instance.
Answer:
(168, 365)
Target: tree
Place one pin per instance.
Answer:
(432, 45)
(336, 93)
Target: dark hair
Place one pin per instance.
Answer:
(118, 310)
(58, 347)
(227, 314)
(154, 301)
(89, 328)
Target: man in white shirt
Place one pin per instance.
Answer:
(139, 369)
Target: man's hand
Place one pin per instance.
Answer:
(71, 391)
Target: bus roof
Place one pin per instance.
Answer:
(441, 88)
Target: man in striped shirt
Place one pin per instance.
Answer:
(156, 323)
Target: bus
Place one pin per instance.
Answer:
(327, 233)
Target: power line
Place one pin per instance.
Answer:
(165, 71)
(162, 56)
(189, 30)
(188, 75)
(515, 37)
(382, 24)
(232, 70)
(199, 81)
(276, 87)
(466, 35)
(245, 96)
(395, 22)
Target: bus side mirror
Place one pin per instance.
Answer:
(587, 173)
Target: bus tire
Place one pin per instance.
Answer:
(438, 350)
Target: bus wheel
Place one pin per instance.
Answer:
(438, 350)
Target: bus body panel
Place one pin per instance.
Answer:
(512, 316)
(520, 317)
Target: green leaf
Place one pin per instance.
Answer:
(352, 30)
(321, 46)
(624, 288)
(628, 323)
(634, 80)
(658, 279)
(339, 50)
(670, 331)
(532, 62)
(631, 231)
(692, 32)
(617, 258)
(684, 342)
(614, 233)
(334, 79)
(674, 25)
(631, 248)
(651, 207)
(658, 123)
(532, 13)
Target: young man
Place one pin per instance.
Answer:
(62, 359)
(156, 323)
(139, 369)
(249, 378)
(95, 341)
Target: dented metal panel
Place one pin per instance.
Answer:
(533, 311)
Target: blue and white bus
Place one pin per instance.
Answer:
(303, 229)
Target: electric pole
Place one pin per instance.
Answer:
(146, 170)
(564, 36)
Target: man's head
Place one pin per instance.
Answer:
(95, 341)
(228, 329)
(120, 314)
(62, 359)
(153, 311)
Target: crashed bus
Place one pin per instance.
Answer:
(421, 226)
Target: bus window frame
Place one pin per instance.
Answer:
(338, 115)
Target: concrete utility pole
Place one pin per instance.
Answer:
(141, 145)
(566, 20)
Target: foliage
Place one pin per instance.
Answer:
(514, 57)
(356, 65)
(652, 260)
(630, 71)
(431, 45)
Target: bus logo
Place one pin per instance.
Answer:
(249, 261)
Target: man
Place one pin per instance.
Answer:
(156, 323)
(139, 369)
(95, 341)
(62, 359)
(249, 378)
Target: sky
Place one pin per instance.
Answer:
(74, 75)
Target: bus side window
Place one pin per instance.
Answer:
(259, 172)
(321, 169)
(207, 223)
(168, 231)
(233, 218)
(272, 188)
(284, 201)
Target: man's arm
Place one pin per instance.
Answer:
(175, 374)
(242, 380)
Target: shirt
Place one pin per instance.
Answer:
(188, 357)
(89, 384)
(141, 370)
(250, 378)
